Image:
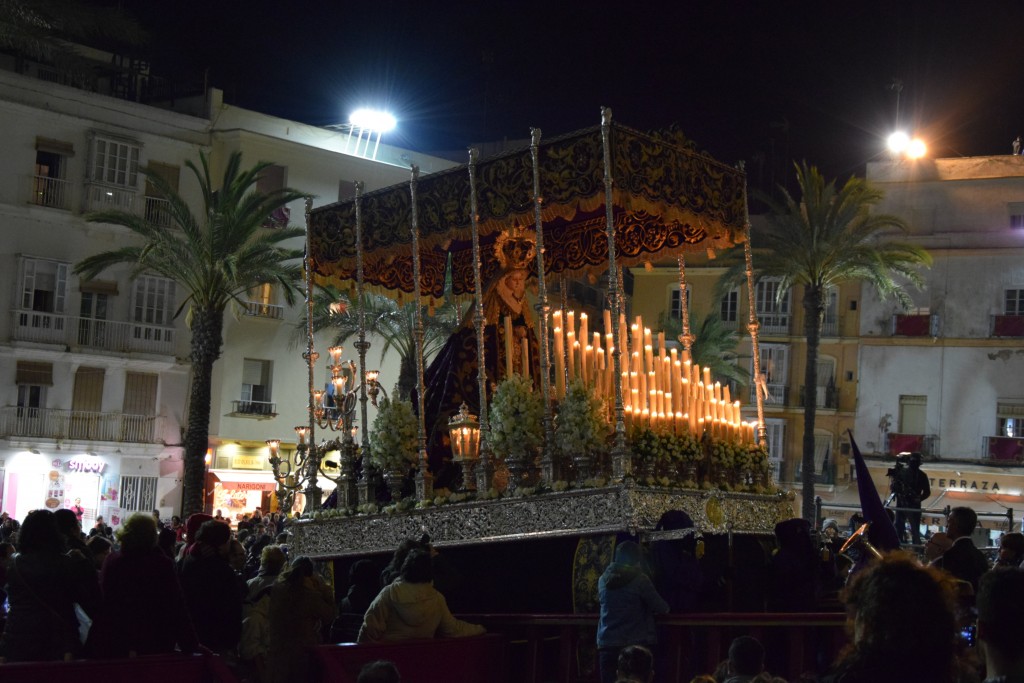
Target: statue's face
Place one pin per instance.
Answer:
(516, 282)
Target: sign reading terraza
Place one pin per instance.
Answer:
(964, 484)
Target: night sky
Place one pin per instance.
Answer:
(758, 80)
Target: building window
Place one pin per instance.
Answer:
(138, 493)
(255, 396)
(1016, 211)
(115, 162)
(49, 181)
(1010, 414)
(773, 310)
(913, 414)
(675, 306)
(775, 369)
(729, 307)
(830, 321)
(273, 179)
(157, 208)
(44, 285)
(775, 431)
(1014, 302)
(153, 300)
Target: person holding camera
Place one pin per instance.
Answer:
(910, 486)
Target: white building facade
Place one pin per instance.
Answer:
(945, 378)
(95, 373)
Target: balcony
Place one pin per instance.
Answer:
(827, 397)
(925, 444)
(830, 326)
(53, 193)
(774, 323)
(90, 333)
(261, 410)
(49, 423)
(1004, 449)
(778, 395)
(99, 197)
(1007, 326)
(259, 309)
(915, 325)
(157, 212)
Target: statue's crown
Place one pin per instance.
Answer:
(515, 248)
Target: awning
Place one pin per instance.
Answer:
(992, 509)
(246, 480)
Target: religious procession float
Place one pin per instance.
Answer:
(535, 420)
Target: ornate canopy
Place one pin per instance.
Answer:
(667, 199)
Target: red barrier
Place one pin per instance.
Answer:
(438, 660)
(176, 668)
(560, 647)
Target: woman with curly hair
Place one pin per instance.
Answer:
(903, 625)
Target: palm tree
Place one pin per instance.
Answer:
(714, 345)
(828, 238)
(217, 257)
(390, 321)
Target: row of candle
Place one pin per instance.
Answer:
(665, 392)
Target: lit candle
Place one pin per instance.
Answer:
(607, 321)
(577, 359)
(584, 331)
(509, 363)
(526, 358)
(559, 364)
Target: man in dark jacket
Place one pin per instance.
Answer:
(213, 593)
(629, 602)
(963, 560)
(911, 487)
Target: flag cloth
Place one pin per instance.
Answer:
(882, 532)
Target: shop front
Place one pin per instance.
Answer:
(33, 480)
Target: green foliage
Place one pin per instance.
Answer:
(714, 345)
(580, 424)
(394, 442)
(666, 448)
(515, 417)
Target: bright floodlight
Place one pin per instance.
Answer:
(370, 119)
(916, 149)
(898, 142)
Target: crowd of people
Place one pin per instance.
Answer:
(946, 616)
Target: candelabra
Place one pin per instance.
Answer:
(332, 409)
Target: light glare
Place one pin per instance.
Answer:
(916, 149)
(898, 142)
(370, 119)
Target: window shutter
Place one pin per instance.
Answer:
(30, 372)
(140, 393)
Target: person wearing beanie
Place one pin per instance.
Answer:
(629, 602)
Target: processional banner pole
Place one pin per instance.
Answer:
(424, 480)
(760, 386)
(621, 465)
(547, 464)
(686, 339)
(312, 462)
(483, 470)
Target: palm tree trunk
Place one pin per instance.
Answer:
(407, 375)
(814, 312)
(207, 337)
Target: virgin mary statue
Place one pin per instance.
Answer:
(452, 377)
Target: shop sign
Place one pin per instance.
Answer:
(86, 464)
(954, 483)
(247, 462)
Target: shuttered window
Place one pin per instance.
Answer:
(87, 395)
(30, 372)
(140, 393)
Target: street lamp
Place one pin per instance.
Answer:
(901, 144)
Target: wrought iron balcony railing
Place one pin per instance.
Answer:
(100, 197)
(778, 395)
(1004, 449)
(258, 309)
(925, 444)
(915, 325)
(1006, 326)
(51, 423)
(254, 408)
(54, 193)
(825, 397)
(91, 333)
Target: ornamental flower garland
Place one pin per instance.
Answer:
(395, 436)
(580, 424)
(515, 417)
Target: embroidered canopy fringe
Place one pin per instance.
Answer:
(667, 200)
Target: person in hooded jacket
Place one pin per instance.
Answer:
(301, 605)
(629, 602)
(410, 607)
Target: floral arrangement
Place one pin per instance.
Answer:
(394, 442)
(580, 423)
(515, 417)
(666, 448)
